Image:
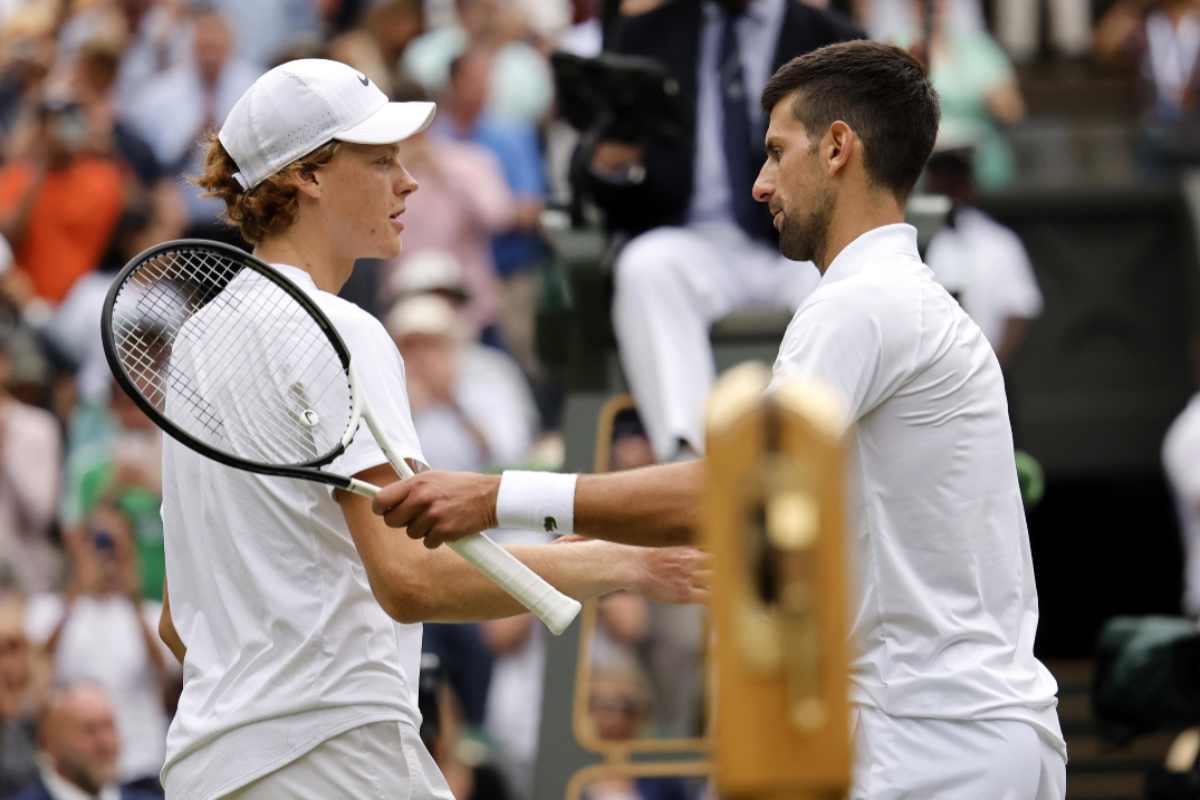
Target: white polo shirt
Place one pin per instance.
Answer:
(286, 645)
(985, 266)
(944, 608)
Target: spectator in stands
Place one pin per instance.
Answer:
(464, 203)
(27, 54)
(159, 38)
(979, 261)
(1181, 460)
(705, 249)
(23, 680)
(114, 456)
(618, 707)
(80, 750)
(669, 639)
(457, 756)
(178, 107)
(29, 481)
(470, 403)
(518, 251)
(395, 24)
(103, 631)
(1163, 38)
(975, 82)
(520, 88)
(59, 200)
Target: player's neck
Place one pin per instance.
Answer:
(855, 216)
(311, 253)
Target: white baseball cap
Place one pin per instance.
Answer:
(298, 106)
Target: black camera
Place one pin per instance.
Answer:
(617, 97)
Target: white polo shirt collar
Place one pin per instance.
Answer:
(877, 247)
(295, 275)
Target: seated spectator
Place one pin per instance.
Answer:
(618, 707)
(23, 681)
(463, 204)
(471, 406)
(976, 84)
(178, 107)
(669, 639)
(520, 87)
(461, 759)
(30, 465)
(80, 750)
(705, 248)
(979, 261)
(1161, 38)
(114, 456)
(59, 200)
(518, 251)
(103, 631)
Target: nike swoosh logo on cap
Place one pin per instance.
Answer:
(363, 80)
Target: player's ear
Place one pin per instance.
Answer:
(837, 147)
(307, 183)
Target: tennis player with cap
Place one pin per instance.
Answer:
(949, 700)
(294, 610)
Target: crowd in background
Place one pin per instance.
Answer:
(102, 104)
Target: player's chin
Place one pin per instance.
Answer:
(389, 246)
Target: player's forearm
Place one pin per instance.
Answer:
(653, 506)
(442, 587)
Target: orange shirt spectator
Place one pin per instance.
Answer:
(70, 220)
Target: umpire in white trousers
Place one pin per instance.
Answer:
(708, 251)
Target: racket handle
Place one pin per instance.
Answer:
(555, 609)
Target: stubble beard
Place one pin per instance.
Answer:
(802, 237)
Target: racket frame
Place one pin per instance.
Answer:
(307, 470)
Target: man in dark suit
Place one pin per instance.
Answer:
(702, 249)
(80, 750)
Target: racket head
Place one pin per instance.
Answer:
(231, 359)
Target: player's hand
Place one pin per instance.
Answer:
(672, 574)
(440, 507)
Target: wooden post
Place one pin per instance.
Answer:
(774, 520)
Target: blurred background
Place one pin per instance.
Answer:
(1060, 207)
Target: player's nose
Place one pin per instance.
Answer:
(764, 186)
(405, 183)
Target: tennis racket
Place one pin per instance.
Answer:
(236, 362)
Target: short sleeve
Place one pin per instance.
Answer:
(1181, 449)
(839, 347)
(1021, 294)
(989, 64)
(379, 372)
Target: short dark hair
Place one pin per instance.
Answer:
(880, 91)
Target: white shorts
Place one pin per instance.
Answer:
(379, 761)
(933, 759)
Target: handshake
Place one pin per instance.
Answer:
(642, 526)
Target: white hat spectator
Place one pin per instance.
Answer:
(425, 314)
(429, 271)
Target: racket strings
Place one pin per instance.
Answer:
(231, 358)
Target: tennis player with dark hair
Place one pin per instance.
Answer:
(949, 700)
(295, 610)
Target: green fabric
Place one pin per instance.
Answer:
(1030, 478)
(88, 479)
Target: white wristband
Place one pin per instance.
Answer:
(536, 501)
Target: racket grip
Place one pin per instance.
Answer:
(555, 609)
